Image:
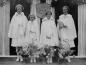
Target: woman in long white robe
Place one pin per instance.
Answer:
(67, 31)
(49, 34)
(32, 34)
(32, 31)
(17, 30)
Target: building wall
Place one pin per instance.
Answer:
(4, 25)
(1, 29)
(82, 30)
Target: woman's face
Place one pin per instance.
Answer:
(65, 10)
(32, 18)
(48, 15)
(19, 9)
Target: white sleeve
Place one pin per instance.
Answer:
(11, 27)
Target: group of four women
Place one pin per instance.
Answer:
(25, 31)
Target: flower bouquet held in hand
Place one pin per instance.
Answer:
(47, 53)
(30, 51)
(64, 52)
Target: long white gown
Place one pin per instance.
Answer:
(49, 34)
(32, 32)
(17, 29)
(68, 34)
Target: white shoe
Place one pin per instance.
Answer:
(31, 61)
(68, 59)
(21, 59)
(17, 59)
(50, 61)
(34, 60)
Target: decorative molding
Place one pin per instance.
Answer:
(3, 2)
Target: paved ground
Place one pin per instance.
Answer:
(11, 61)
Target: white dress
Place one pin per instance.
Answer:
(49, 34)
(32, 32)
(17, 29)
(67, 34)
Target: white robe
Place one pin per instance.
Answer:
(49, 35)
(32, 32)
(67, 34)
(17, 29)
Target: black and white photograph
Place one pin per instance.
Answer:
(42, 32)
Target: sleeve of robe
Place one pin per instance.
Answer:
(25, 24)
(11, 27)
(71, 27)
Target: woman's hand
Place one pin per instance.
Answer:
(61, 24)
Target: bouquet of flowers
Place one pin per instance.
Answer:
(50, 53)
(29, 50)
(47, 53)
(64, 52)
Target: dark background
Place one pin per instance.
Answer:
(73, 10)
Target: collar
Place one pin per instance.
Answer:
(48, 19)
(19, 14)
